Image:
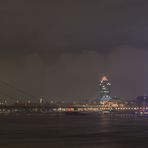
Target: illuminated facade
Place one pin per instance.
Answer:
(105, 90)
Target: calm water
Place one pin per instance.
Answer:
(63, 131)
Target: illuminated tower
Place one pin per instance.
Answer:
(105, 90)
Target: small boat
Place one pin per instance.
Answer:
(106, 112)
(76, 113)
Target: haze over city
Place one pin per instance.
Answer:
(60, 49)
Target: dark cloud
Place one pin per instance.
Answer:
(32, 26)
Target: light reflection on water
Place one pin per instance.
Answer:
(91, 131)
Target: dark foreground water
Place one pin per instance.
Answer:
(64, 131)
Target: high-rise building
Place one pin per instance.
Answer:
(105, 87)
(105, 90)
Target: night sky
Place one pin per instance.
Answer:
(59, 49)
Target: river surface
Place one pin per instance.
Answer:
(70, 131)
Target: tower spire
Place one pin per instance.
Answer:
(104, 78)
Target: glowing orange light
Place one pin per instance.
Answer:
(104, 78)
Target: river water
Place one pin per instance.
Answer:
(70, 131)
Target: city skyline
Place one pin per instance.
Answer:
(18, 95)
(49, 49)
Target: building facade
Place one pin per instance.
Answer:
(105, 90)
